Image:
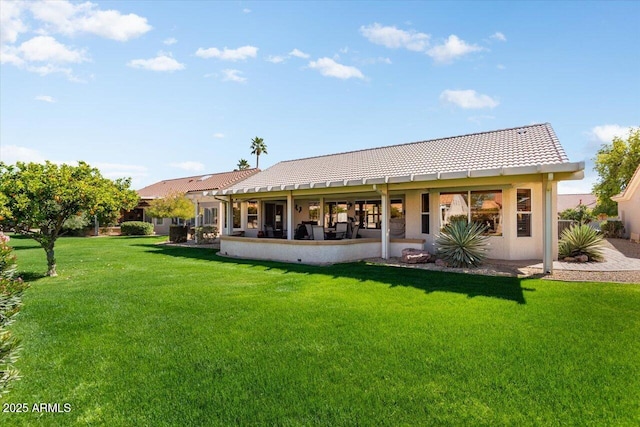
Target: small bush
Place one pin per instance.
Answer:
(136, 228)
(612, 229)
(178, 233)
(580, 240)
(206, 234)
(11, 290)
(462, 244)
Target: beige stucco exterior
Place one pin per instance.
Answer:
(629, 206)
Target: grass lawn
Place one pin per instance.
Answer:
(132, 333)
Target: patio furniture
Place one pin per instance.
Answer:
(268, 231)
(318, 232)
(309, 231)
(354, 233)
(341, 230)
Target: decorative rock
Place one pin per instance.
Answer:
(441, 263)
(415, 256)
(569, 259)
(582, 258)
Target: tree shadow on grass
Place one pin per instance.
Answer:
(506, 288)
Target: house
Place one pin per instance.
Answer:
(400, 196)
(629, 206)
(208, 213)
(572, 201)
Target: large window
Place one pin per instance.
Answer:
(252, 214)
(210, 216)
(425, 213)
(314, 211)
(369, 214)
(336, 212)
(524, 212)
(397, 208)
(236, 215)
(484, 207)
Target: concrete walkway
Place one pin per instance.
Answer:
(614, 260)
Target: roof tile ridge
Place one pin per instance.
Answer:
(556, 142)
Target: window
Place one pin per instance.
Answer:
(524, 212)
(236, 215)
(397, 209)
(210, 216)
(314, 211)
(336, 212)
(252, 214)
(159, 221)
(484, 207)
(368, 214)
(425, 213)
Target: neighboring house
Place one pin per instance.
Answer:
(208, 213)
(506, 179)
(572, 201)
(629, 206)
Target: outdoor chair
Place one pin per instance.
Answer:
(318, 232)
(309, 230)
(341, 230)
(354, 233)
(268, 231)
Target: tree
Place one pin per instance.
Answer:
(581, 214)
(615, 164)
(258, 147)
(38, 198)
(174, 205)
(243, 165)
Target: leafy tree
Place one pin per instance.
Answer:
(243, 165)
(581, 214)
(615, 164)
(258, 147)
(174, 205)
(38, 199)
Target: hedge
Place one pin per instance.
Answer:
(136, 228)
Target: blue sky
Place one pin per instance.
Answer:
(157, 90)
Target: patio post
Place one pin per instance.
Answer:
(321, 212)
(290, 215)
(384, 232)
(195, 234)
(547, 257)
(230, 216)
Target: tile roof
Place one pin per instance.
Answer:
(566, 201)
(214, 181)
(531, 145)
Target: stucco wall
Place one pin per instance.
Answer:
(629, 213)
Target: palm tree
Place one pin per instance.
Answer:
(243, 164)
(258, 147)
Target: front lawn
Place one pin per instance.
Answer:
(134, 333)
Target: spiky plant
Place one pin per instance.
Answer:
(462, 244)
(581, 240)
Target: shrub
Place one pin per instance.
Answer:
(612, 228)
(581, 214)
(136, 228)
(11, 290)
(76, 225)
(178, 233)
(206, 234)
(580, 240)
(462, 244)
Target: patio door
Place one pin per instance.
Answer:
(274, 216)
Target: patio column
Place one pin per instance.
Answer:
(290, 211)
(195, 229)
(230, 216)
(321, 212)
(547, 240)
(384, 233)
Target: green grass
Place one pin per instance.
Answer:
(132, 333)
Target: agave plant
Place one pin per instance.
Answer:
(462, 244)
(580, 240)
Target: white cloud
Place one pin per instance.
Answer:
(45, 98)
(246, 10)
(47, 49)
(239, 54)
(501, 67)
(395, 38)
(276, 59)
(452, 49)
(229, 75)
(606, 133)
(299, 54)
(170, 41)
(119, 170)
(188, 166)
(468, 99)
(330, 68)
(10, 154)
(11, 24)
(498, 36)
(70, 19)
(218, 135)
(162, 62)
